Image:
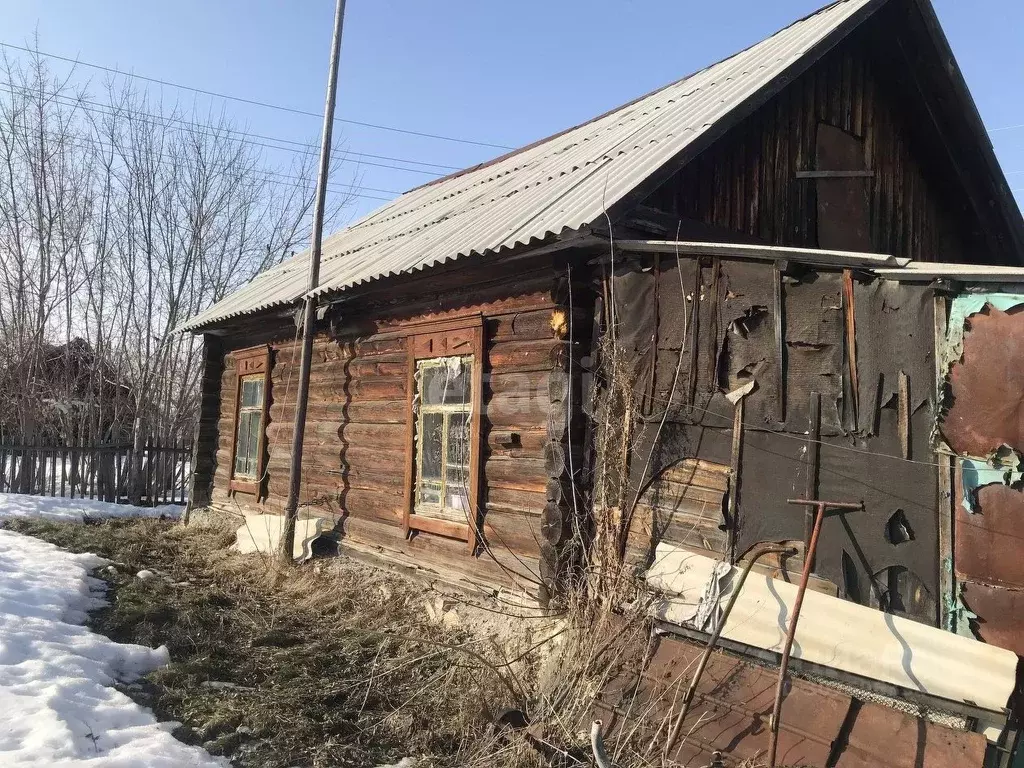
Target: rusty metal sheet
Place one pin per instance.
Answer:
(1000, 614)
(989, 542)
(820, 726)
(987, 385)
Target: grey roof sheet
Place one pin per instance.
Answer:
(562, 183)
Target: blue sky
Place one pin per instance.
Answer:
(501, 73)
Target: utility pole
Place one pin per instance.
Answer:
(309, 308)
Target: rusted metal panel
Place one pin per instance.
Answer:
(1000, 614)
(987, 385)
(989, 542)
(820, 726)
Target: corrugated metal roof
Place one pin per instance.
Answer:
(562, 183)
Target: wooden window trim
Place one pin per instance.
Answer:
(422, 344)
(249, 362)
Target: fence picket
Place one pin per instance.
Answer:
(97, 471)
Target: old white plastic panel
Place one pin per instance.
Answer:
(839, 634)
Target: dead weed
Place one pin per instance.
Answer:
(337, 667)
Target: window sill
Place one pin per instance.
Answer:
(440, 527)
(245, 486)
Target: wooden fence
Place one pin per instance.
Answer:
(158, 474)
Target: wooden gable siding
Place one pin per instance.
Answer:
(746, 182)
(355, 443)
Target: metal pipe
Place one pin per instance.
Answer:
(798, 603)
(756, 554)
(597, 746)
(291, 509)
(813, 452)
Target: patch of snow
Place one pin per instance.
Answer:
(405, 762)
(50, 508)
(57, 705)
(145, 575)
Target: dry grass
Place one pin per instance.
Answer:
(340, 667)
(339, 664)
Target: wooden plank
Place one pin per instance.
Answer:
(779, 319)
(903, 415)
(813, 452)
(663, 493)
(734, 477)
(835, 174)
(850, 315)
(694, 341)
(3, 468)
(93, 469)
(410, 439)
(441, 527)
(945, 471)
(475, 430)
(699, 472)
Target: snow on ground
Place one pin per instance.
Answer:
(57, 706)
(51, 508)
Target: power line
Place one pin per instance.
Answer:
(215, 131)
(295, 182)
(252, 102)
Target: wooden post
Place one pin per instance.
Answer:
(135, 465)
(850, 317)
(811, 484)
(734, 475)
(309, 310)
(904, 414)
(779, 318)
(947, 584)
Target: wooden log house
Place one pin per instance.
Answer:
(768, 221)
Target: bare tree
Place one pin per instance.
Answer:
(120, 219)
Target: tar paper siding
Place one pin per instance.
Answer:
(867, 427)
(355, 452)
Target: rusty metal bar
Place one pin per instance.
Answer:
(813, 453)
(798, 603)
(756, 554)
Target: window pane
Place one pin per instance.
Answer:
(457, 462)
(430, 447)
(447, 381)
(242, 444)
(252, 392)
(430, 493)
(254, 441)
(246, 447)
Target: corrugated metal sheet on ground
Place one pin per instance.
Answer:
(563, 183)
(732, 709)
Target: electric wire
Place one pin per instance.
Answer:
(244, 100)
(164, 121)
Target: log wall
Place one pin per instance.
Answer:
(355, 442)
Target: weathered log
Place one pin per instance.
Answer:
(516, 474)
